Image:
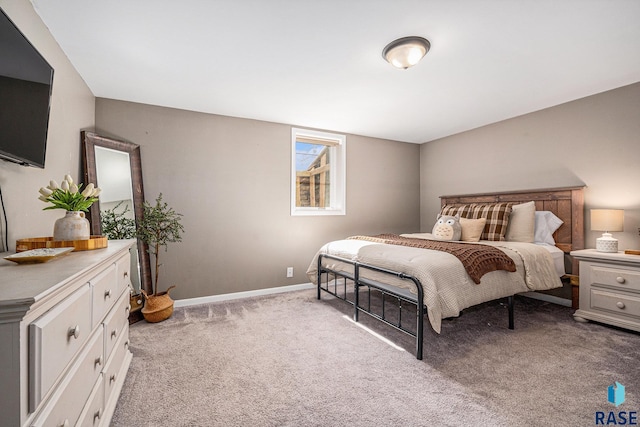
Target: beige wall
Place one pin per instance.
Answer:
(72, 109)
(229, 177)
(594, 141)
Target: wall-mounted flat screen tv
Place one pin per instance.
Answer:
(26, 80)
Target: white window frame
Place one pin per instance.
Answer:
(338, 176)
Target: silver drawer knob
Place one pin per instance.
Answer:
(65, 423)
(620, 304)
(74, 332)
(620, 279)
(98, 361)
(97, 415)
(112, 378)
(114, 333)
(107, 293)
(126, 274)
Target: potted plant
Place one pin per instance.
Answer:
(159, 226)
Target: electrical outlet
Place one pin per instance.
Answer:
(289, 271)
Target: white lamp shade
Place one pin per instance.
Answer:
(607, 219)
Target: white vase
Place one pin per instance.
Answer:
(72, 226)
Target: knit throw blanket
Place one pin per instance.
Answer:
(477, 259)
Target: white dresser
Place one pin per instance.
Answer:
(609, 288)
(64, 335)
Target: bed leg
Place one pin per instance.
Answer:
(356, 292)
(319, 278)
(511, 312)
(420, 334)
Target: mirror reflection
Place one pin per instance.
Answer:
(117, 217)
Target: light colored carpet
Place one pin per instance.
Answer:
(291, 360)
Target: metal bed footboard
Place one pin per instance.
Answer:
(342, 278)
(338, 288)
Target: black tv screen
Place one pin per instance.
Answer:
(26, 80)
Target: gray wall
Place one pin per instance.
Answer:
(594, 141)
(229, 177)
(72, 109)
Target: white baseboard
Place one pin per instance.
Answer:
(237, 295)
(548, 298)
(291, 288)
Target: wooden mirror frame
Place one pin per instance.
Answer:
(89, 141)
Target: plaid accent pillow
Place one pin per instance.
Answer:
(497, 215)
(452, 210)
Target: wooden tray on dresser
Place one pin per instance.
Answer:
(94, 242)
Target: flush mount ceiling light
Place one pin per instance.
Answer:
(406, 52)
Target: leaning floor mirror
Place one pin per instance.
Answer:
(115, 166)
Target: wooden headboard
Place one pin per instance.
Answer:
(566, 203)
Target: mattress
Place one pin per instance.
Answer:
(448, 289)
(558, 258)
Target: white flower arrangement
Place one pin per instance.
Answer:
(69, 195)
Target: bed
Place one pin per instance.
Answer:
(421, 271)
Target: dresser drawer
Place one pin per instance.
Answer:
(93, 411)
(105, 291)
(116, 322)
(620, 277)
(615, 302)
(114, 371)
(54, 339)
(67, 401)
(124, 273)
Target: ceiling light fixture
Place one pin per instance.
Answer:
(406, 52)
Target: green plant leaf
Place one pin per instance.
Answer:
(116, 225)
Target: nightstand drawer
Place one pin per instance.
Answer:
(615, 276)
(615, 302)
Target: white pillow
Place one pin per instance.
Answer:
(522, 220)
(546, 224)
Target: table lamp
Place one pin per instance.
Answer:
(607, 220)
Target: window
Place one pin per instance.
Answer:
(318, 177)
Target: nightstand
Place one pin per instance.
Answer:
(609, 288)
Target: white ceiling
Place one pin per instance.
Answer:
(318, 63)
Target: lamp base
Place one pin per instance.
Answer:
(606, 243)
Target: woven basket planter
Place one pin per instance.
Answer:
(157, 307)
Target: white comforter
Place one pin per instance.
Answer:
(448, 289)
